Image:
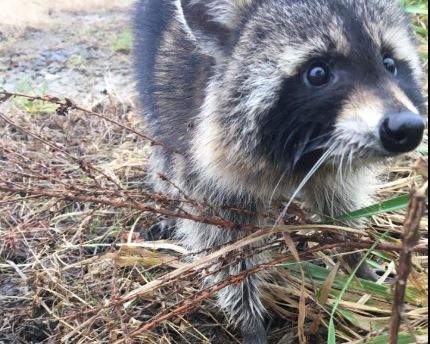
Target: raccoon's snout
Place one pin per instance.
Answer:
(401, 132)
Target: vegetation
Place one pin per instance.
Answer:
(75, 266)
(124, 42)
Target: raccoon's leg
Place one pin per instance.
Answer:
(242, 302)
(364, 270)
(243, 305)
(161, 162)
(254, 334)
(162, 230)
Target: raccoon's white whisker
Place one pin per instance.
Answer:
(340, 175)
(332, 201)
(337, 162)
(341, 167)
(350, 158)
(276, 188)
(272, 196)
(305, 180)
(319, 137)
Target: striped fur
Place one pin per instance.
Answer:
(223, 81)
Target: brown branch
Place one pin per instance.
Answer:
(66, 105)
(187, 305)
(121, 204)
(84, 166)
(367, 244)
(411, 236)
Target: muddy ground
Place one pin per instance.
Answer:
(78, 50)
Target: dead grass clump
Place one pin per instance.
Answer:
(76, 268)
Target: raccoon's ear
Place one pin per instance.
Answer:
(214, 23)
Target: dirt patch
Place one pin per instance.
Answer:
(66, 49)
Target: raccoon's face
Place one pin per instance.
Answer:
(297, 81)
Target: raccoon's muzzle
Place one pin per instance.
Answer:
(401, 132)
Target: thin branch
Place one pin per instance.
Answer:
(411, 237)
(66, 105)
(189, 304)
(121, 204)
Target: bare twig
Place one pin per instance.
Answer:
(199, 298)
(66, 105)
(411, 236)
(28, 174)
(121, 204)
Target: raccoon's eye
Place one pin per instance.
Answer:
(319, 74)
(390, 64)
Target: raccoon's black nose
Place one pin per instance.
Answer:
(402, 132)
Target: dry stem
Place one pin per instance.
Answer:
(411, 237)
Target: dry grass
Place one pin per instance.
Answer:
(78, 270)
(75, 266)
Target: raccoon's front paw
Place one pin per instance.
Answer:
(365, 271)
(391, 279)
(163, 230)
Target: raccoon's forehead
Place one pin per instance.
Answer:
(303, 29)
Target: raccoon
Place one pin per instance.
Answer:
(269, 99)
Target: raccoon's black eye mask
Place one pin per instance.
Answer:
(300, 123)
(319, 73)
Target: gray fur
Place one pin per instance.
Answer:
(211, 72)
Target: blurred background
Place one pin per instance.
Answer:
(74, 48)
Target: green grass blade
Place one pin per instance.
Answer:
(423, 150)
(331, 333)
(417, 10)
(365, 323)
(332, 329)
(389, 206)
(384, 339)
(318, 275)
